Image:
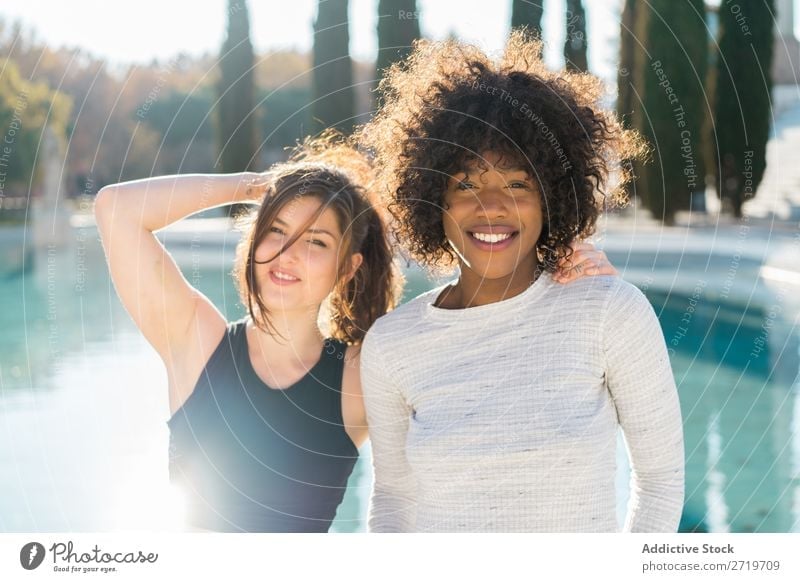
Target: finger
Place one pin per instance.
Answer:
(600, 268)
(581, 246)
(587, 268)
(587, 255)
(569, 277)
(565, 263)
(576, 271)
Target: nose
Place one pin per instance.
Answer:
(491, 203)
(290, 254)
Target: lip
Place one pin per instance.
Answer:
(278, 281)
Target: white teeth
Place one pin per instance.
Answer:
(491, 238)
(284, 276)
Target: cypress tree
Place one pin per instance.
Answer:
(332, 86)
(398, 28)
(625, 76)
(528, 13)
(236, 90)
(626, 92)
(576, 43)
(670, 70)
(742, 105)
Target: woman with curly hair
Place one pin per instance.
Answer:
(494, 402)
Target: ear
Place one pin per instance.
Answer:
(355, 262)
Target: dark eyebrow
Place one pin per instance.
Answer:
(479, 169)
(320, 231)
(311, 230)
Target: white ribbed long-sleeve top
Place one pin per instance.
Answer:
(504, 417)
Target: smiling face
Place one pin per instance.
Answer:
(302, 275)
(493, 219)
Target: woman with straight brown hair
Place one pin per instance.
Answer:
(267, 414)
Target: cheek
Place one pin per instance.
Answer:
(452, 214)
(531, 213)
(322, 265)
(267, 250)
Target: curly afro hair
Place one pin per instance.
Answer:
(448, 103)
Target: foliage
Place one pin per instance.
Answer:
(742, 104)
(26, 108)
(528, 13)
(670, 62)
(398, 28)
(575, 43)
(333, 102)
(236, 113)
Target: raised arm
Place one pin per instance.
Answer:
(162, 303)
(393, 506)
(641, 383)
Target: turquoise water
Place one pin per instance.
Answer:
(83, 404)
(736, 367)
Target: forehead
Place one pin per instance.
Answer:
(492, 160)
(300, 210)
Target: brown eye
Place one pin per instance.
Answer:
(465, 185)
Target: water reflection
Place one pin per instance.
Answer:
(735, 367)
(83, 399)
(83, 403)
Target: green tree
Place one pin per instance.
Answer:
(627, 50)
(627, 94)
(183, 122)
(398, 28)
(236, 112)
(670, 67)
(528, 13)
(26, 108)
(287, 118)
(333, 103)
(742, 99)
(576, 43)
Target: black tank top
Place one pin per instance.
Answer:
(254, 459)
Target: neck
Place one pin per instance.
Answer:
(473, 290)
(298, 335)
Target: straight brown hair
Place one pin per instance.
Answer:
(334, 174)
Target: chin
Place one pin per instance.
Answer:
(276, 300)
(493, 275)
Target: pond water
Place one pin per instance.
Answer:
(83, 403)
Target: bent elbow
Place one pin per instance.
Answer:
(104, 202)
